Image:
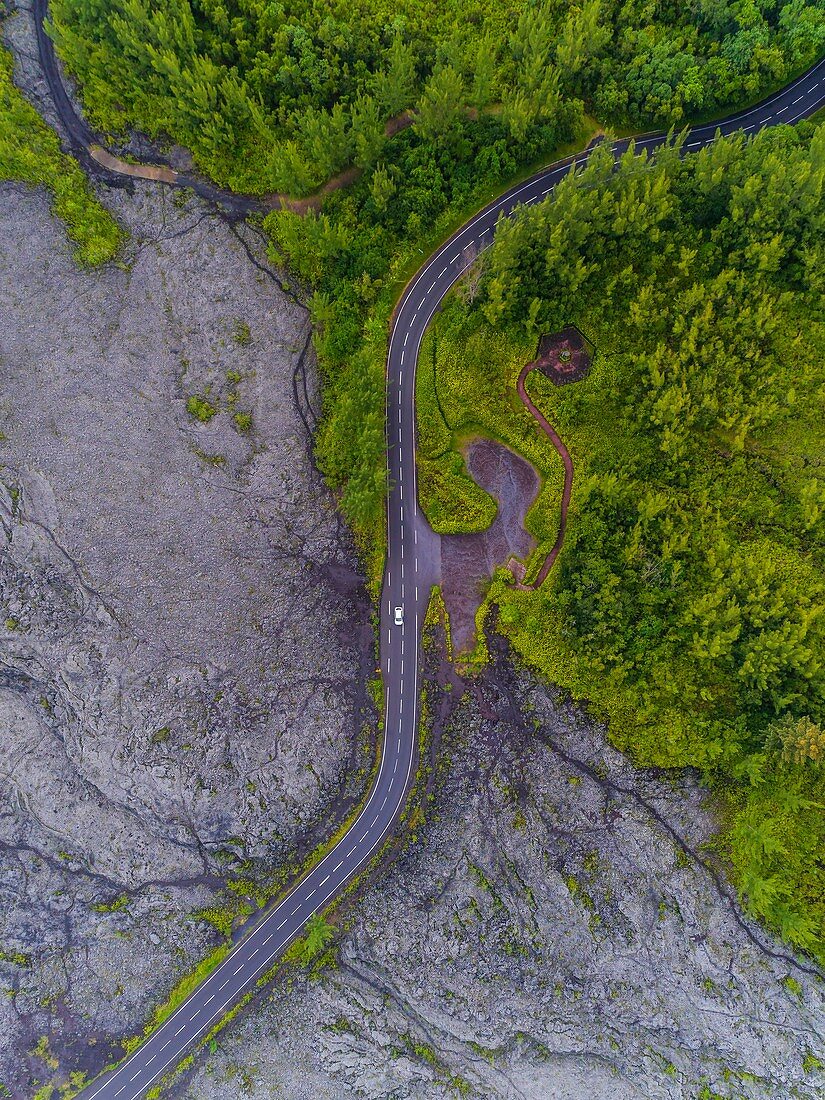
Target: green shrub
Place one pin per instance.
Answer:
(30, 152)
(309, 947)
(115, 906)
(200, 408)
(451, 500)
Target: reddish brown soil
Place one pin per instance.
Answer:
(468, 561)
(517, 567)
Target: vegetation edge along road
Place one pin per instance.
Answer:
(409, 569)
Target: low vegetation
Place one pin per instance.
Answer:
(30, 152)
(200, 408)
(311, 947)
(687, 605)
(187, 984)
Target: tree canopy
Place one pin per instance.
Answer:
(272, 96)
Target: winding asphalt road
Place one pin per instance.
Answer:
(412, 567)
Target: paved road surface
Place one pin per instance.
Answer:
(412, 566)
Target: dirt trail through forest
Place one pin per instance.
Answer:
(516, 567)
(86, 143)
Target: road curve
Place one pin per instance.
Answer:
(412, 566)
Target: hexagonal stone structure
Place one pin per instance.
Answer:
(564, 356)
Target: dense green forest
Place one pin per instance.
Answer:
(688, 604)
(282, 95)
(30, 152)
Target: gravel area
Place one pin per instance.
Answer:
(469, 561)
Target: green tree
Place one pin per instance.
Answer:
(812, 501)
(382, 186)
(395, 83)
(484, 73)
(316, 937)
(441, 107)
(582, 36)
(367, 131)
(327, 139)
(801, 739)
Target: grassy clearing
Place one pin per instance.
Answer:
(465, 386)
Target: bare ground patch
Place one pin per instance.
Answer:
(468, 561)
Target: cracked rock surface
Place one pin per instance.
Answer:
(551, 936)
(182, 630)
(181, 644)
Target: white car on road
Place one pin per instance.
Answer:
(399, 616)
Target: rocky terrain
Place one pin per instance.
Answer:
(185, 640)
(469, 561)
(552, 934)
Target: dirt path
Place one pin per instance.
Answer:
(163, 173)
(517, 568)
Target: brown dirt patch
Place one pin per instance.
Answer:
(468, 561)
